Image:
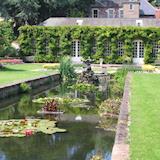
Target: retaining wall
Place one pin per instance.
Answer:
(14, 89)
(121, 145)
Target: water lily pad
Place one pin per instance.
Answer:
(61, 100)
(18, 128)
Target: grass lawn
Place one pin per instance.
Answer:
(15, 73)
(145, 117)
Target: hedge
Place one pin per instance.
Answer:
(49, 43)
(6, 37)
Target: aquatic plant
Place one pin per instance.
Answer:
(108, 123)
(84, 87)
(50, 106)
(61, 100)
(66, 69)
(24, 127)
(109, 111)
(24, 87)
(110, 108)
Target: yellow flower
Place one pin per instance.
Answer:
(148, 67)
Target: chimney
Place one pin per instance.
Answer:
(157, 13)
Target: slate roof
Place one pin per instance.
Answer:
(147, 22)
(110, 3)
(145, 7)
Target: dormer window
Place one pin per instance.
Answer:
(95, 13)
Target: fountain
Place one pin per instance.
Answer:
(88, 76)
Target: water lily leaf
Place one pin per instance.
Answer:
(18, 128)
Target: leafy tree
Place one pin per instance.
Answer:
(3, 9)
(79, 8)
(27, 10)
(155, 2)
(36, 11)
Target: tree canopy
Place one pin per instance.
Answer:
(34, 11)
(155, 2)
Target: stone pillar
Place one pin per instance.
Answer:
(157, 14)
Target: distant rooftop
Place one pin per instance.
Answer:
(111, 3)
(146, 22)
(145, 7)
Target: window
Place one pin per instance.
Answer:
(95, 13)
(121, 13)
(141, 49)
(138, 49)
(120, 49)
(156, 49)
(107, 49)
(131, 7)
(76, 48)
(111, 13)
(135, 48)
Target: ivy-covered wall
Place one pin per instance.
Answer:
(6, 37)
(49, 43)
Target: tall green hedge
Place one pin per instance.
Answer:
(49, 43)
(6, 37)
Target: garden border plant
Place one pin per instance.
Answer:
(47, 44)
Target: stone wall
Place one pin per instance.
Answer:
(104, 12)
(121, 145)
(14, 89)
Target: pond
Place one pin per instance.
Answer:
(81, 141)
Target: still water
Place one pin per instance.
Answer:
(81, 141)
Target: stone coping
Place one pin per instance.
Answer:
(121, 145)
(13, 89)
(26, 80)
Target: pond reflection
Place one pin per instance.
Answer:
(81, 142)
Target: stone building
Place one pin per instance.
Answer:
(138, 13)
(122, 9)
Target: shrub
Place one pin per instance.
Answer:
(110, 107)
(66, 69)
(84, 87)
(6, 37)
(42, 58)
(117, 84)
(148, 68)
(25, 88)
(97, 157)
(51, 66)
(9, 52)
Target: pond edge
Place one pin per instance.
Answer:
(121, 145)
(14, 89)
